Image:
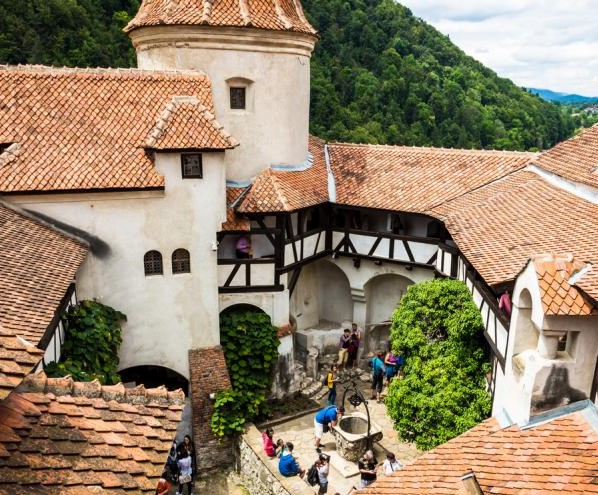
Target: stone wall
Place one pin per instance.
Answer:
(260, 473)
(208, 372)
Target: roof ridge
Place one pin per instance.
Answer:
(159, 128)
(433, 148)
(63, 386)
(281, 15)
(101, 71)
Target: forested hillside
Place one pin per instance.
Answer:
(379, 74)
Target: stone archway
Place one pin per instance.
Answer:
(154, 376)
(382, 295)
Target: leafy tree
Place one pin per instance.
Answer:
(250, 344)
(438, 328)
(90, 349)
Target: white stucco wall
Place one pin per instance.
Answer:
(167, 314)
(274, 304)
(527, 370)
(274, 66)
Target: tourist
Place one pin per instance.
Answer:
(171, 462)
(164, 483)
(323, 466)
(331, 379)
(186, 465)
(390, 363)
(391, 464)
(325, 419)
(287, 464)
(243, 247)
(271, 449)
(185, 472)
(377, 365)
(356, 331)
(367, 469)
(352, 351)
(343, 348)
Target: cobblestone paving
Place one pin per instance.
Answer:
(300, 432)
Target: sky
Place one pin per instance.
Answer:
(547, 44)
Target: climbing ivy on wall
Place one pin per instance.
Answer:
(250, 345)
(438, 329)
(90, 349)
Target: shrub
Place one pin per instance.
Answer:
(90, 349)
(250, 345)
(438, 328)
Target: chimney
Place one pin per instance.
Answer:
(470, 484)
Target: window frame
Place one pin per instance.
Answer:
(242, 89)
(191, 176)
(156, 264)
(180, 265)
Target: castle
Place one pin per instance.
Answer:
(154, 173)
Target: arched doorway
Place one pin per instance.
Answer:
(382, 294)
(322, 296)
(154, 376)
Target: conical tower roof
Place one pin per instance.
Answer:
(276, 15)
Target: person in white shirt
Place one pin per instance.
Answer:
(323, 468)
(391, 464)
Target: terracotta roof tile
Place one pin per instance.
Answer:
(186, 123)
(414, 179)
(234, 222)
(575, 159)
(554, 457)
(279, 190)
(276, 15)
(501, 226)
(79, 129)
(559, 297)
(66, 448)
(38, 265)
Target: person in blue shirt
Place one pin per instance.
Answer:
(326, 417)
(287, 464)
(378, 369)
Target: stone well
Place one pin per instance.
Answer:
(351, 435)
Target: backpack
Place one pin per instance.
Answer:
(312, 476)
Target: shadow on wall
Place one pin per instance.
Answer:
(556, 392)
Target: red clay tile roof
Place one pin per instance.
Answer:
(63, 437)
(276, 15)
(558, 296)
(234, 222)
(500, 226)
(556, 457)
(414, 179)
(278, 190)
(186, 123)
(38, 265)
(81, 129)
(575, 159)
(17, 359)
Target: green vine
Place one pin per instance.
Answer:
(250, 345)
(90, 349)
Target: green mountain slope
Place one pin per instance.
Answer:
(381, 75)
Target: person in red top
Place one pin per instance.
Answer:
(270, 448)
(164, 483)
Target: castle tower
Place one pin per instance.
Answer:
(256, 53)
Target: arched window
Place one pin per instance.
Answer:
(152, 263)
(180, 261)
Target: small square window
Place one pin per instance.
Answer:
(191, 166)
(237, 98)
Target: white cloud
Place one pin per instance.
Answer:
(535, 43)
